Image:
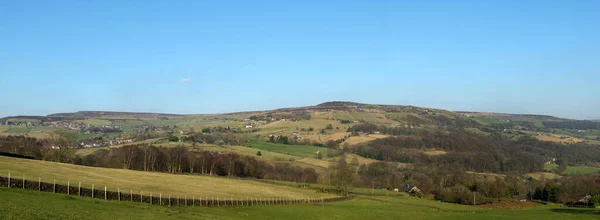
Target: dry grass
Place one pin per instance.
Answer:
(543, 175)
(559, 138)
(176, 185)
(487, 174)
(435, 152)
(364, 138)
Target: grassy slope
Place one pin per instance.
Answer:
(176, 185)
(297, 150)
(573, 170)
(19, 204)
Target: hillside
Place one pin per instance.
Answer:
(167, 184)
(21, 204)
(383, 146)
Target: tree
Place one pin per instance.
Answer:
(272, 139)
(173, 139)
(331, 144)
(343, 178)
(258, 153)
(562, 166)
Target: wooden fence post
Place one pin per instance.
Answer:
(8, 179)
(201, 204)
(131, 195)
(169, 199)
(193, 200)
(160, 199)
(54, 186)
(79, 189)
(40, 183)
(218, 203)
(69, 187)
(104, 192)
(119, 194)
(151, 198)
(185, 198)
(92, 190)
(23, 181)
(141, 196)
(177, 200)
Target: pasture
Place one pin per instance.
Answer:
(18, 130)
(126, 180)
(296, 150)
(573, 170)
(24, 204)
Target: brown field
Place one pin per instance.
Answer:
(435, 152)
(363, 138)
(559, 138)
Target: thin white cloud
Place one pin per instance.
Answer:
(186, 80)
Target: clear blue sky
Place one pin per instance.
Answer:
(539, 57)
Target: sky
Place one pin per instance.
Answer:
(191, 57)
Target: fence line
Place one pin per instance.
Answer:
(154, 200)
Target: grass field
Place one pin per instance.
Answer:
(176, 185)
(543, 176)
(573, 170)
(296, 150)
(21, 204)
(363, 138)
(18, 130)
(435, 152)
(580, 170)
(98, 122)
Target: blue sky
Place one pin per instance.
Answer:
(539, 57)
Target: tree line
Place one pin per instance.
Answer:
(573, 124)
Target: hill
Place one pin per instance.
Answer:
(384, 146)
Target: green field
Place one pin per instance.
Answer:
(296, 150)
(580, 170)
(18, 130)
(25, 204)
(176, 185)
(92, 121)
(573, 170)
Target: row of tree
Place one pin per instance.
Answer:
(481, 153)
(573, 124)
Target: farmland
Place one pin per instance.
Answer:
(574, 170)
(22, 204)
(176, 185)
(296, 150)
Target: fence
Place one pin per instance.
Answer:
(102, 192)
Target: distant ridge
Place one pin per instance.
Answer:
(332, 105)
(107, 113)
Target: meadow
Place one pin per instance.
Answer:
(296, 150)
(126, 180)
(24, 204)
(573, 170)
